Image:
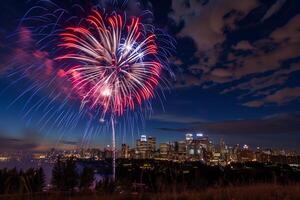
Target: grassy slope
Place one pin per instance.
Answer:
(252, 192)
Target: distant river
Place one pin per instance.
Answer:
(26, 164)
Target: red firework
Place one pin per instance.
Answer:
(117, 63)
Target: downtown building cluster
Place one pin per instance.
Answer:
(197, 147)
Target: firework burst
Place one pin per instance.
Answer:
(117, 64)
(112, 63)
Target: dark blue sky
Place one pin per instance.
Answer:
(237, 66)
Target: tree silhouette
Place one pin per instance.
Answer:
(3, 178)
(37, 179)
(86, 178)
(14, 181)
(106, 185)
(71, 175)
(64, 175)
(58, 175)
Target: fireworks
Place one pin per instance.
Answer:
(116, 62)
(113, 63)
(111, 60)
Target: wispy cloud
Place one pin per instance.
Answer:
(282, 96)
(276, 124)
(29, 141)
(176, 118)
(68, 142)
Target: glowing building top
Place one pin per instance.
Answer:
(143, 138)
(189, 137)
(199, 135)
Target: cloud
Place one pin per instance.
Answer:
(262, 85)
(268, 54)
(276, 124)
(29, 141)
(243, 45)
(67, 142)
(8, 144)
(205, 22)
(255, 64)
(221, 73)
(254, 104)
(174, 118)
(282, 96)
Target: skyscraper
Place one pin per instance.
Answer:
(164, 150)
(189, 137)
(152, 145)
(145, 147)
(125, 151)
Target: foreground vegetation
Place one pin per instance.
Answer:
(247, 192)
(152, 179)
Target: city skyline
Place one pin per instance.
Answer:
(192, 148)
(155, 144)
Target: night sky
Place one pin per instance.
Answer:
(237, 66)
